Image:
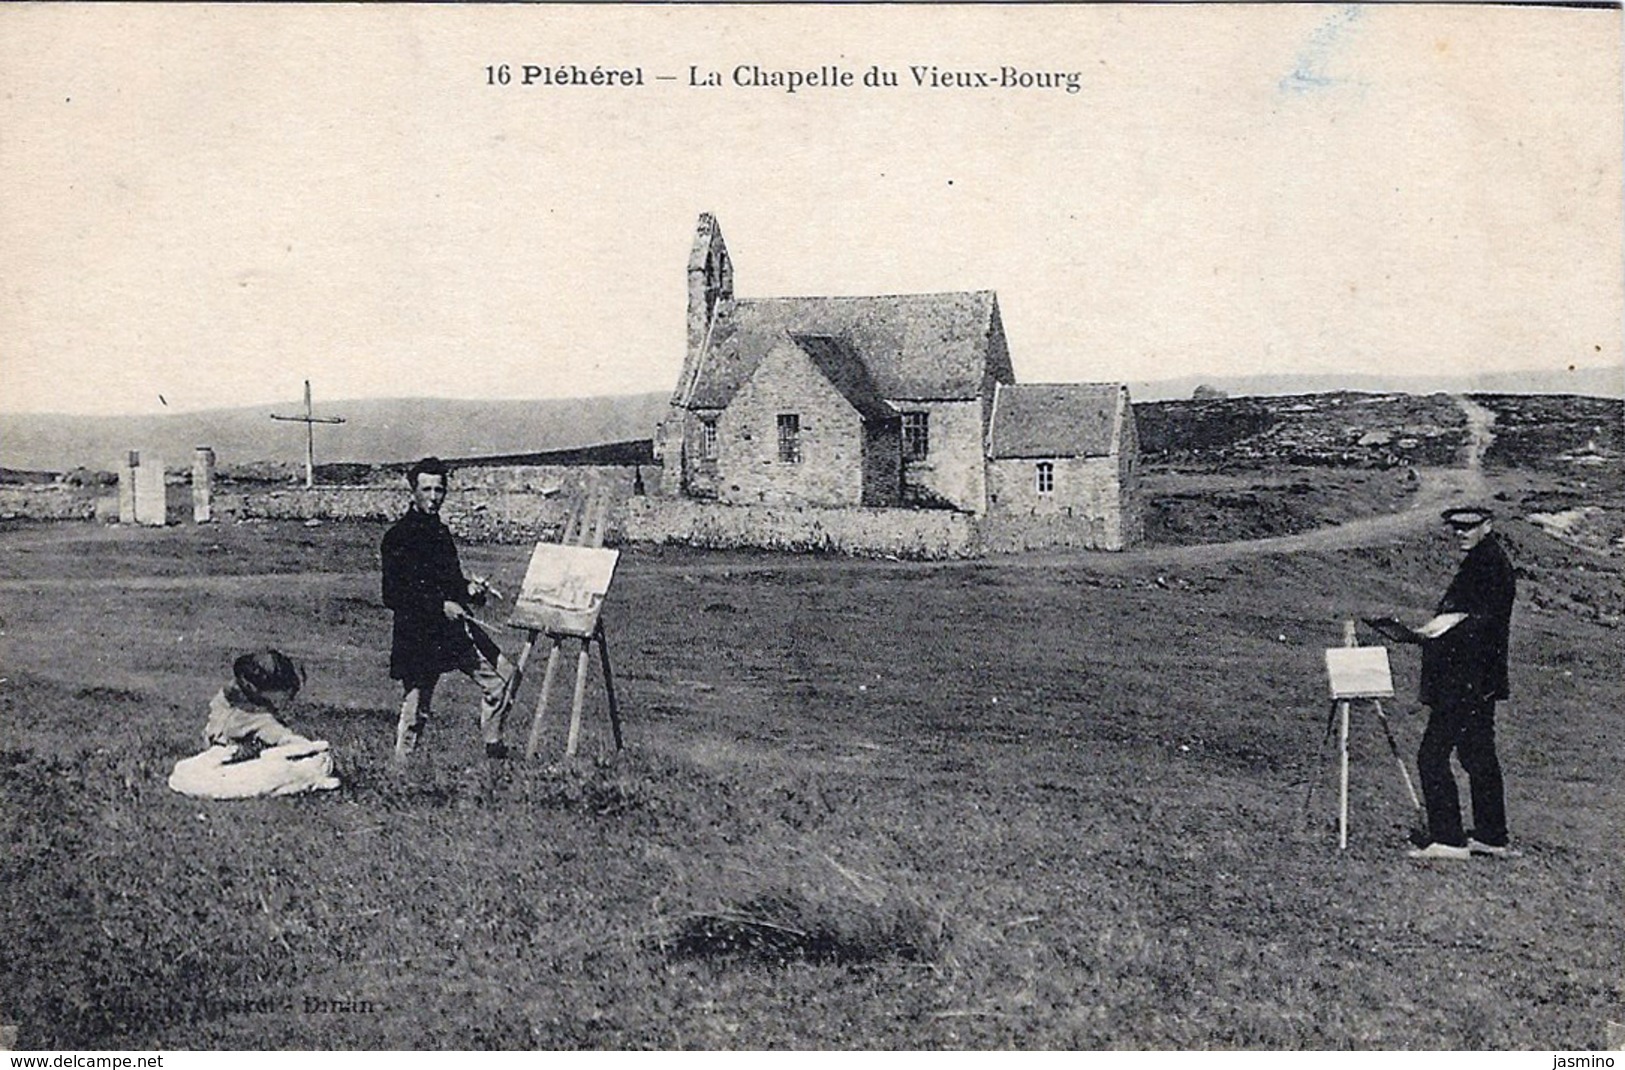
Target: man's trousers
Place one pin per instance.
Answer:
(490, 676)
(1469, 731)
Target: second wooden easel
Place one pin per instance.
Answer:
(1357, 673)
(585, 527)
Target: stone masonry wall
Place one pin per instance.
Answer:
(1085, 510)
(478, 516)
(929, 534)
(830, 472)
(518, 504)
(59, 501)
(883, 463)
(684, 468)
(48, 502)
(1131, 496)
(952, 473)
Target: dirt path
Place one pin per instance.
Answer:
(1437, 490)
(1480, 435)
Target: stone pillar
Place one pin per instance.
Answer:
(151, 496)
(202, 485)
(126, 487)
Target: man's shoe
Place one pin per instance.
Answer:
(496, 751)
(1493, 850)
(1440, 851)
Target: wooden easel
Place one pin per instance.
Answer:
(585, 527)
(1342, 705)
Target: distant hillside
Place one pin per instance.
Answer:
(388, 431)
(376, 431)
(1601, 382)
(1337, 430)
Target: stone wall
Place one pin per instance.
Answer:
(566, 480)
(685, 468)
(1131, 495)
(49, 502)
(883, 463)
(952, 473)
(749, 468)
(482, 516)
(1084, 510)
(63, 501)
(518, 504)
(906, 533)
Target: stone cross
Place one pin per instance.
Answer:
(310, 421)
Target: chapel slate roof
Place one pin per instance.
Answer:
(841, 365)
(914, 346)
(1053, 420)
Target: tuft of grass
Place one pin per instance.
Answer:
(109, 694)
(808, 907)
(779, 929)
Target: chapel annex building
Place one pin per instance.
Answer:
(893, 402)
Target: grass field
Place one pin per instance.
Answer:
(863, 805)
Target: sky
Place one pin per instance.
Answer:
(201, 206)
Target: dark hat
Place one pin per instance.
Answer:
(1463, 518)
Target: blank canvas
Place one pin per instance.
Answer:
(1359, 672)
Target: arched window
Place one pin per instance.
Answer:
(1046, 477)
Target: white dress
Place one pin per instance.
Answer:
(289, 768)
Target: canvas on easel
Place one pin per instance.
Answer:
(562, 598)
(564, 588)
(1358, 673)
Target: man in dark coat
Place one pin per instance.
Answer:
(423, 583)
(1464, 674)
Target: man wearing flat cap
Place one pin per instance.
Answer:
(1464, 674)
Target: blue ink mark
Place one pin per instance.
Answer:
(1318, 51)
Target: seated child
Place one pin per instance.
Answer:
(251, 752)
